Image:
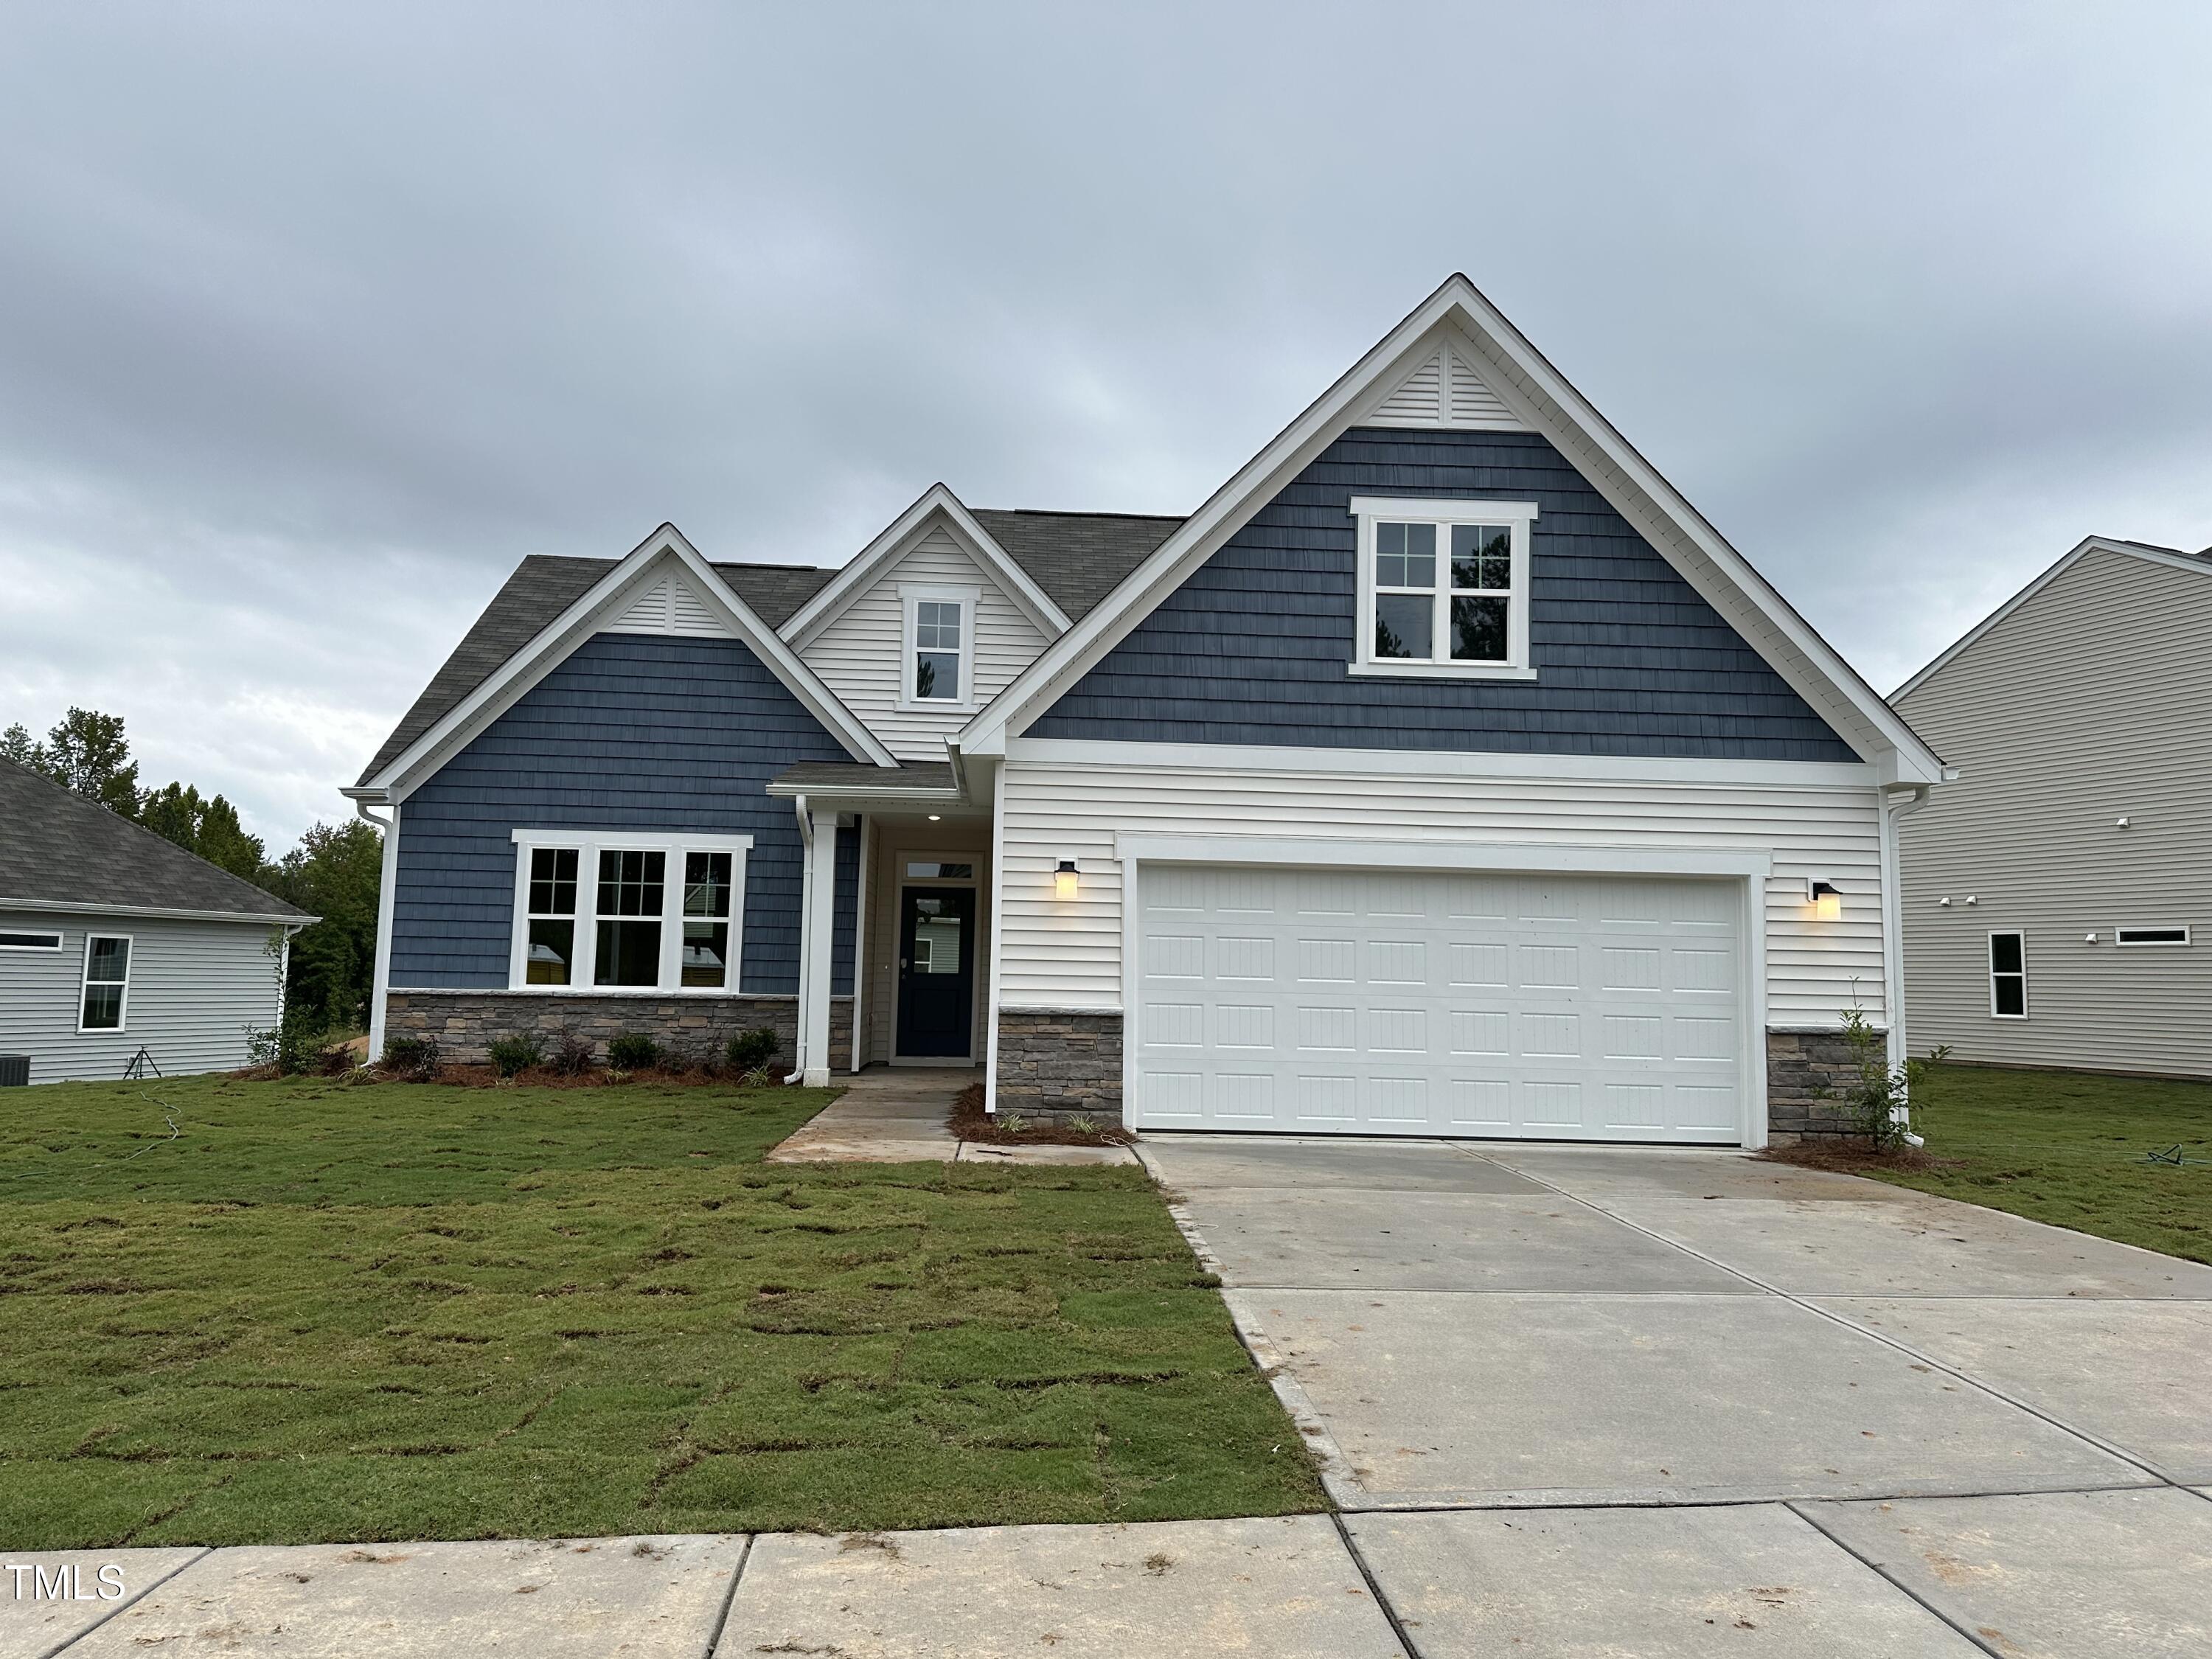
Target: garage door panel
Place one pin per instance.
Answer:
(1409, 1002)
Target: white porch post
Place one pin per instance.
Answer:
(818, 929)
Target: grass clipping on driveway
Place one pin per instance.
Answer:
(323, 1313)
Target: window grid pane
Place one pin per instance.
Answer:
(553, 881)
(936, 675)
(631, 882)
(1482, 558)
(706, 883)
(1403, 625)
(109, 962)
(1405, 556)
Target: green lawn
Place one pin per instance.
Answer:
(2072, 1148)
(407, 1311)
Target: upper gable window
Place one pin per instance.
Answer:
(940, 657)
(1444, 588)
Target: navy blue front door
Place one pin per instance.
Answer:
(936, 971)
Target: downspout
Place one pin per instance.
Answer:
(805, 914)
(380, 988)
(1894, 807)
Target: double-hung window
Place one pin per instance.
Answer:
(939, 654)
(1444, 588)
(106, 982)
(609, 911)
(2009, 975)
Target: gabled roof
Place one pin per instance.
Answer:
(60, 852)
(1537, 396)
(555, 606)
(936, 504)
(1075, 558)
(2172, 557)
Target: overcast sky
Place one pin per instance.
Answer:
(314, 320)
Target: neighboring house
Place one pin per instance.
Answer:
(2058, 896)
(1445, 773)
(113, 941)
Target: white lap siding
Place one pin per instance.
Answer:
(1067, 954)
(861, 656)
(195, 988)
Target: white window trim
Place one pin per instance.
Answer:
(589, 845)
(1988, 963)
(1372, 510)
(85, 981)
(41, 932)
(2120, 936)
(969, 599)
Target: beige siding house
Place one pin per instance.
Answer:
(2058, 896)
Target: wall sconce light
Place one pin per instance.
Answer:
(1064, 879)
(935, 817)
(1827, 900)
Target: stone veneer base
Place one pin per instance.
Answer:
(1059, 1065)
(464, 1024)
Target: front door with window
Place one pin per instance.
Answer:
(936, 971)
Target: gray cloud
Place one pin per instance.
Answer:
(315, 319)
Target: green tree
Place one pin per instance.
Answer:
(208, 827)
(88, 755)
(15, 745)
(336, 872)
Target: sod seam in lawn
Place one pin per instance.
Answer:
(355, 1314)
(2074, 1149)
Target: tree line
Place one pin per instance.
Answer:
(333, 873)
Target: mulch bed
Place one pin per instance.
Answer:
(971, 1123)
(535, 1077)
(1856, 1157)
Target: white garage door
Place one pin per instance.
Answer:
(1404, 1002)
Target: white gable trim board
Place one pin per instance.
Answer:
(895, 541)
(1546, 403)
(663, 558)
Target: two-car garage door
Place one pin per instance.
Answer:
(1414, 1002)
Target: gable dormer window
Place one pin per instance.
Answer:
(1444, 588)
(940, 646)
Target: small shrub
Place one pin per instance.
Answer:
(513, 1054)
(753, 1051)
(411, 1056)
(1879, 1101)
(290, 1047)
(1013, 1122)
(633, 1051)
(335, 1058)
(761, 1076)
(572, 1055)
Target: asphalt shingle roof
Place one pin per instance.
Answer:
(57, 847)
(1078, 558)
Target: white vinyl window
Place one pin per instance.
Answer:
(2009, 975)
(1444, 588)
(939, 658)
(11, 940)
(614, 911)
(2150, 935)
(106, 982)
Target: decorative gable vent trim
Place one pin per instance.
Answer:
(1445, 391)
(670, 606)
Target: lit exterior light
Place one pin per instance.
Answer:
(935, 817)
(1827, 900)
(1063, 880)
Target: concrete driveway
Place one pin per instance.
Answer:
(1604, 1401)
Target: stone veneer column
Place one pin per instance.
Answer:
(1060, 1064)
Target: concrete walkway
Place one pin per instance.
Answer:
(896, 1115)
(1578, 1402)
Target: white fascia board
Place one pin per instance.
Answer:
(2058, 567)
(1229, 759)
(78, 907)
(868, 565)
(1333, 852)
(505, 685)
(1541, 396)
